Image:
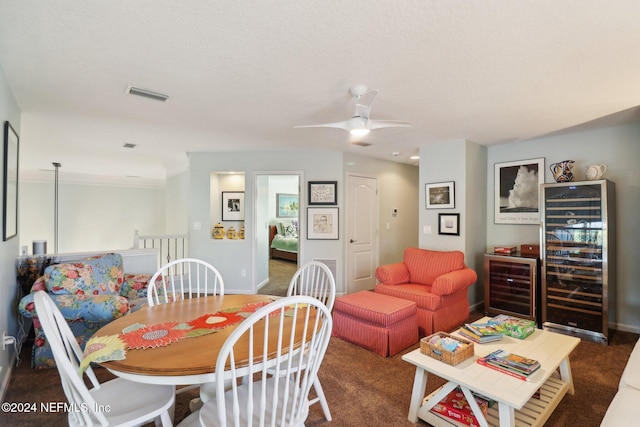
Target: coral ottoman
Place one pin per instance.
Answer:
(377, 322)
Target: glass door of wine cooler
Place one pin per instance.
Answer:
(577, 244)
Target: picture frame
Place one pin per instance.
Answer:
(440, 195)
(323, 192)
(322, 224)
(449, 224)
(10, 182)
(287, 205)
(233, 205)
(517, 191)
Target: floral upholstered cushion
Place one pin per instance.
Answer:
(99, 275)
(90, 308)
(135, 286)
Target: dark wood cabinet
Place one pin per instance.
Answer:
(578, 263)
(511, 286)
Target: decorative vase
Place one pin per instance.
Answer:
(593, 172)
(231, 233)
(241, 233)
(562, 171)
(218, 231)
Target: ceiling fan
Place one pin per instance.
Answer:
(360, 124)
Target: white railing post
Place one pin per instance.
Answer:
(177, 245)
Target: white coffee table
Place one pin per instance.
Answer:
(514, 396)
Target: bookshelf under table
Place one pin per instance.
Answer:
(516, 405)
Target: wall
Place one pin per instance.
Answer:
(91, 217)
(398, 185)
(464, 163)
(619, 148)
(9, 250)
(176, 205)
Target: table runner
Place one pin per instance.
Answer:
(139, 336)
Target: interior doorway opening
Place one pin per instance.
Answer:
(277, 244)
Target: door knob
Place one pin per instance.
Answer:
(351, 241)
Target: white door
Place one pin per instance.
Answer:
(362, 232)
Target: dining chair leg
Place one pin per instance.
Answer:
(321, 398)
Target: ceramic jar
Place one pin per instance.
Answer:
(241, 233)
(231, 233)
(562, 171)
(218, 231)
(593, 172)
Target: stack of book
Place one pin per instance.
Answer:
(511, 364)
(480, 332)
(505, 250)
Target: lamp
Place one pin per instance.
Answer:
(358, 126)
(55, 208)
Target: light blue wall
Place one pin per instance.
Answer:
(9, 250)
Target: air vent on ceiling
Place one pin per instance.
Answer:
(361, 144)
(129, 145)
(146, 93)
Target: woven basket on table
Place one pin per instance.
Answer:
(463, 352)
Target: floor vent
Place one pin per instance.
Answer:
(332, 263)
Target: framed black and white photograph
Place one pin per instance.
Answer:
(286, 205)
(322, 223)
(10, 183)
(323, 192)
(440, 195)
(517, 188)
(449, 224)
(233, 205)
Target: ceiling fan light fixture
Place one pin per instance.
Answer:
(359, 132)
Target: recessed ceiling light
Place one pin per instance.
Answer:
(132, 90)
(414, 157)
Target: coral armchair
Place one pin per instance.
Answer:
(437, 281)
(89, 294)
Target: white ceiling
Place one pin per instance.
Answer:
(241, 74)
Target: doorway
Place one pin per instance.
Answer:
(362, 232)
(277, 223)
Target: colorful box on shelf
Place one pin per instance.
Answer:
(505, 250)
(456, 407)
(513, 326)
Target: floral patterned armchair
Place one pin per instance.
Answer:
(89, 293)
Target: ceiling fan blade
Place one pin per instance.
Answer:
(378, 124)
(363, 104)
(336, 125)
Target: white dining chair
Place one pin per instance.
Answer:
(315, 279)
(184, 278)
(181, 279)
(261, 398)
(117, 402)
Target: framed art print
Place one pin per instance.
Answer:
(440, 195)
(233, 205)
(10, 183)
(323, 192)
(517, 191)
(449, 224)
(322, 223)
(286, 205)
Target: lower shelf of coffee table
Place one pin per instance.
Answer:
(533, 414)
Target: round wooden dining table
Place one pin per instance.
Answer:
(186, 361)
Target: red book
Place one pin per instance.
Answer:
(482, 361)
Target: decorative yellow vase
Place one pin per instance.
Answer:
(231, 233)
(241, 233)
(218, 231)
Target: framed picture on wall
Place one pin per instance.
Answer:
(10, 183)
(517, 191)
(322, 223)
(287, 205)
(449, 224)
(440, 195)
(233, 205)
(323, 192)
